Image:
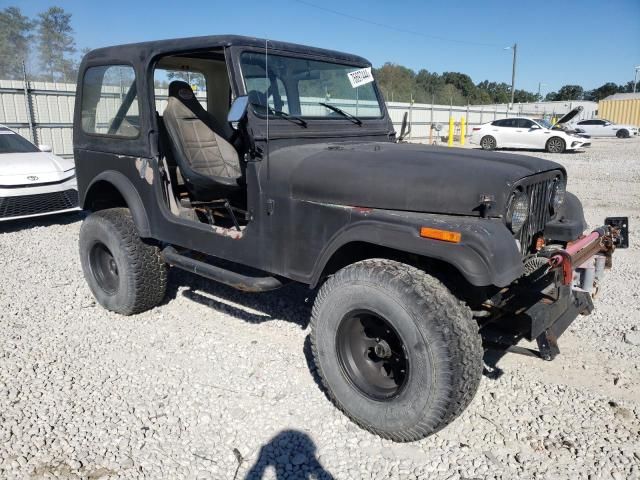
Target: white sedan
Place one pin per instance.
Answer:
(600, 127)
(33, 181)
(522, 132)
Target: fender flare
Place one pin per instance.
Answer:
(131, 196)
(487, 255)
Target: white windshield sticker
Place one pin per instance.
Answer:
(360, 77)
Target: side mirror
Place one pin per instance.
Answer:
(237, 111)
(535, 127)
(45, 148)
(405, 129)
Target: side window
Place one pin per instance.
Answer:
(524, 123)
(509, 123)
(163, 77)
(498, 123)
(110, 101)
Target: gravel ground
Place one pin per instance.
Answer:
(214, 384)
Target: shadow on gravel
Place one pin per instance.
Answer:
(491, 359)
(12, 226)
(313, 369)
(288, 303)
(292, 454)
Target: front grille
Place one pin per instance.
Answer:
(539, 192)
(35, 204)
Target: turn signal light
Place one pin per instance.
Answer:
(437, 234)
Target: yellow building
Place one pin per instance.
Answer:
(621, 108)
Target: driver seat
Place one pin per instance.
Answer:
(209, 164)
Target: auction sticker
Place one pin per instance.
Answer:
(360, 77)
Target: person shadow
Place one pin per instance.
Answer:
(292, 454)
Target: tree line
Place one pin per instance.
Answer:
(48, 40)
(49, 36)
(401, 84)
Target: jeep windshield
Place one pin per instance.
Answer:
(308, 88)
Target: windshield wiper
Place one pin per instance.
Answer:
(353, 118)
(280, 113)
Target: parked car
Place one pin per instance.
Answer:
(33, 181)
(290, 171)
(605, 128)
(529, 133)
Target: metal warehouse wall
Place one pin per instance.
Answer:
(52, 111)
(621, 111)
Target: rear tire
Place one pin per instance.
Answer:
(397, 352)
(556, 145)
(488, 143)
(622, 133)
(125, 275)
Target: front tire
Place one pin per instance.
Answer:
(488, 143)
(125, 275)
(622, 133)
(397, 352)
(556, 145)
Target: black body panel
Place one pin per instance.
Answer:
(396, 176)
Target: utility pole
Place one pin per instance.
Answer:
(513, 72)
(540, 84)
(635, 77)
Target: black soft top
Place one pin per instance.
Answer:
(143, 52)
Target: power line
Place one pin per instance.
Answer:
(397, 29)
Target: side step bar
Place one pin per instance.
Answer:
(232, 279)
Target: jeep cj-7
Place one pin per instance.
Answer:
(270, 162)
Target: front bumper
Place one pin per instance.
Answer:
(38, 200)
(542, 305)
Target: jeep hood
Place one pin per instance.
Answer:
(408, 177)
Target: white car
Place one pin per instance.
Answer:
(523, 132)
(600, 127)
(33, 181)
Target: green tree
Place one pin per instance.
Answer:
(522, 96)
(15, 35)
(603, 91)
(567, 92)
(428, 86)
(56, 45)
(395, 81)
(463, 83)
(497, 92)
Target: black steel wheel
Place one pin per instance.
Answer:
(125, 274)
(104, 268)
(555, 145)
(488, 143)
(398, 353)
(372, 355)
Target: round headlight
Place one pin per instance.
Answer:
(518, 211)
(557, 194)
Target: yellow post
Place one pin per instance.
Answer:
(463, 130)
(450, 142)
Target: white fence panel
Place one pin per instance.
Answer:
(53, 105)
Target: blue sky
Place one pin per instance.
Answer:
(562, 42)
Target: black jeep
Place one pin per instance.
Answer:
(283, 165)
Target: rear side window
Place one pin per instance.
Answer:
(524, 123)
(507, 122)
(110, 101)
